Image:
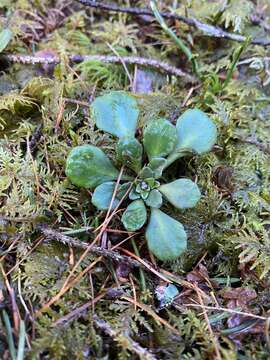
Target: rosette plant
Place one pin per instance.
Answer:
(162, 143)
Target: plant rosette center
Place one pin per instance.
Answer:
(162, 143)
(142, 188)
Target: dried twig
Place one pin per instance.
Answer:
(127, 341)
(155, 64)
(132, 345)
(15, 310)
(70, 280)
(131, 260)
(208, 30)
(232, 311)
(67, 240)
(77, 312)
(152, 313)
(211, 333)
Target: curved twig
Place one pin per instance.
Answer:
(208, 30)
(157, 65)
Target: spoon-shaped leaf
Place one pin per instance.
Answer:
(159, 138)
(154, 199)
(116, 112)
(182, 193)
(135, 216)
(129, 152)
(146, 173)
(122, 189)
(157, 166)
(165, 236)
(87, 166)
(195, 131)
(102, 196)
(133, 195)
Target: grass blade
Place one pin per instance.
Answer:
(10, 339)
(22, 336)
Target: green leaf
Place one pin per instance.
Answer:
(171, 292)
(144, 194)
(117, 113)
(157, 166)
(165, 294)
(87, 166)
(102, 196)
(153, 184)
(166, 237)
(159, 138)
(195, 131)
(122, 189)
(182, 193)
(133, 195)
(154, 199)
(146, 173)
(129, 152)
(5, 37)
(135, 216)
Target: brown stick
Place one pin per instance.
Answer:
(67, 240)
(76, 313)
(123, 338)
(208, 30)
(211, 333)
(157, 65)
(132, 345)
(133, 261)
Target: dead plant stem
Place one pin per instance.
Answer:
(208, 30)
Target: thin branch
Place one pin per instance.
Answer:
(123, 339)
(123, 63)
(71, 280)
(229, 311)
(67, 240)
(157, 65)
(77, 312)
(208, 30)
(213, 337)
(104, 326)
(148, 309)
(131, 260)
